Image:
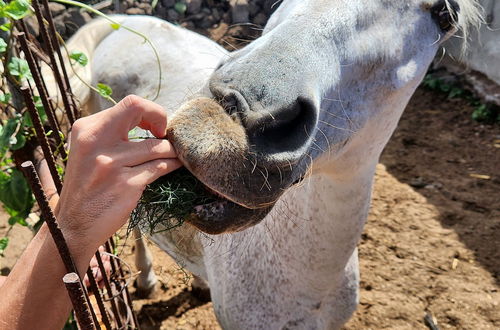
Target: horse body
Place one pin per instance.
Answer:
(347, 77)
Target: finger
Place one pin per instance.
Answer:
(136, 153)
(135, 111)
(86, 281)
(150, 171)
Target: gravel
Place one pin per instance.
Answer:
(231, 19)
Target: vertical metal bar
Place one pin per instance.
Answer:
(37, 52)
(50, 219)
(50, 52)
(42, 138)
(107, 285)
(41, 90)
(110, 247)
(80, 305)
(57, 48)
(98, 298)
(48, 215)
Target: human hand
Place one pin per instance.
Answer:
(107, 173)
(96, 271)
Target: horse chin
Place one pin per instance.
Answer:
(224, 216)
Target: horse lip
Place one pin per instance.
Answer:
(222, 195)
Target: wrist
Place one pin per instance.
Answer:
(80, 249)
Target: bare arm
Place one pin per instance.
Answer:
(105, 177)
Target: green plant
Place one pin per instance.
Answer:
(117, 25)
(167, 202)
(16, 128)
(488, 113)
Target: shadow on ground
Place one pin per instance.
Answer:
(454, 162)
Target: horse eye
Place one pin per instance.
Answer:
(445, 15)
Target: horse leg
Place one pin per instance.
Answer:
(200, 289)
(146, 281)
(346, 299)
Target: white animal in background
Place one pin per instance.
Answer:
(312, 103)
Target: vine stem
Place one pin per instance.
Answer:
(109, 98)
(116, 25)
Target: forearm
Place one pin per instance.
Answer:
(33, 295)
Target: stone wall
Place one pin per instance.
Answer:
(481, 62)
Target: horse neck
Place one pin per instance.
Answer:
(316, 227)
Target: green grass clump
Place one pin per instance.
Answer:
(167, 202)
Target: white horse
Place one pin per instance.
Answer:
(307, 109)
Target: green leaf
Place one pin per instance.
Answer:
(80, 57)
(5, 27)
(16, 9)
(7, 136)
(20, 141)
(41, 112)
(180, 7)
(15, 194)
(104, 90)
(3, 45)
(5, 98)
(4, 242)
(20, 68)
(115, 26)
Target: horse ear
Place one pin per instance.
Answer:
(445, 13)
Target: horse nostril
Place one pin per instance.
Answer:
(284, 130)
(231, 100)
(230, 103)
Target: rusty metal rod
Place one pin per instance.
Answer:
(107, 285)
(80, 305)
(42, 138)
(57, 48)
(41, 90)
(50, 219)
(98, 298)
(48, 216)
(37, 52)
(50, 52)
(110, 247)
(122, 288)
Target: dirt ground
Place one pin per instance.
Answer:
(431, 244)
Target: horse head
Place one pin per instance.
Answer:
(322, 88)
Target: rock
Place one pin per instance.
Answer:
(239, 11)
(172, 15)
(74, 18)
(206, 22)
(193, 6)
(60, 25)
(253, 8)
(146, 7)
(216, 15)
(418, 183)
(260, 19)
(161, 11)
(56, 8)
(32, 25)
(168, 3)
(188, 25)
(135, 11)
